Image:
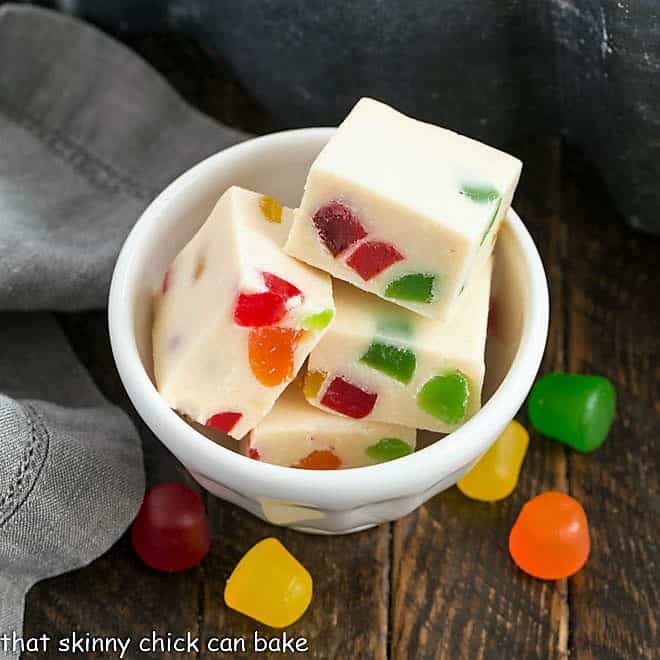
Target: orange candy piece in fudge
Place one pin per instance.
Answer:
(270, 352)
(320, 459)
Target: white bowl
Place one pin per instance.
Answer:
(338, 501)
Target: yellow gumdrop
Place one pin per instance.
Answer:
(313, 383)
(271, 209)
(495, 476)
(270, 585)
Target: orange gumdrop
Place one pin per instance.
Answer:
(270, 352)
(320, 459)
(550, 538)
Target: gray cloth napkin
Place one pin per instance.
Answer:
(88, 135)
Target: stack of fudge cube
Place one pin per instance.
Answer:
(324, 337)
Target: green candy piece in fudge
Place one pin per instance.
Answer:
(394, 361)
(388, 449)
(318, 321)
(413, 287)
(445, 397)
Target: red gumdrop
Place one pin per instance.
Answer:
(281, 287)
(224, 421)
(372, 258)
(348, 399)
(254, 453)
(171, 532)
(256, 310)
(338, 227)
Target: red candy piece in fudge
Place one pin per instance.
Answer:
(372, 258)
(256, 310)
(338, 227)
(224, 421)
(348, 399)
(254, 453)
(166, 282)
(281, 287)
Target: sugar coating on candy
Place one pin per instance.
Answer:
(224, 421)
(320, 459)
(318, 321)
(413, 287)
(395, 361)
(268, 307)
(313, 382)
(348, 399)
(372, 258)
(388, 449)
(576, 409)
(270, 353)
(338, 227)
(495, 475)
(171, 532)
(269, 585)
(271, 208)
(445, 397)
(550, 538)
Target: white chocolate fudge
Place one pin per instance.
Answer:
(236, 317)
(403, 209)
(379, 362)
(296, 434)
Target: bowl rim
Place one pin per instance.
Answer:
(408, 475)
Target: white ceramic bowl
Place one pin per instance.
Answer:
(315, 501)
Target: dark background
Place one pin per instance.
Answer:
(497, 70)
(438, 583)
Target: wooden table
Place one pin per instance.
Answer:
(439, 583)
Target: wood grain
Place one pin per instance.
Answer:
(613, 308)
(456, 593)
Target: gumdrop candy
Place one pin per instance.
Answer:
(388, 449)
(413, 287)
(446, 397)
(348, 399)
(575, 409)
(550, 538)
(171, 532)
(269, 585)
(320, 459)
(318, 321)
(313, 382)
(338, 227)
(270, 353)
(395, 361)
(224, 421)
(372, 258)
(271, 209)
(495, 476)
(256, 310)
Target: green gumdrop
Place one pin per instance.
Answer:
(388, 449)
(445, 397)
(575, 409)
(414, 287)
(394, 361)
(481, 193)
(318, 321)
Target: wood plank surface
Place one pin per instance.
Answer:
(439, 583)
(613, 329)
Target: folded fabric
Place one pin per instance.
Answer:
(88, 135)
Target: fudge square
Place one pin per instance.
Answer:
(403, 209)
(379, 362)
(236, 317)
(298, 435)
